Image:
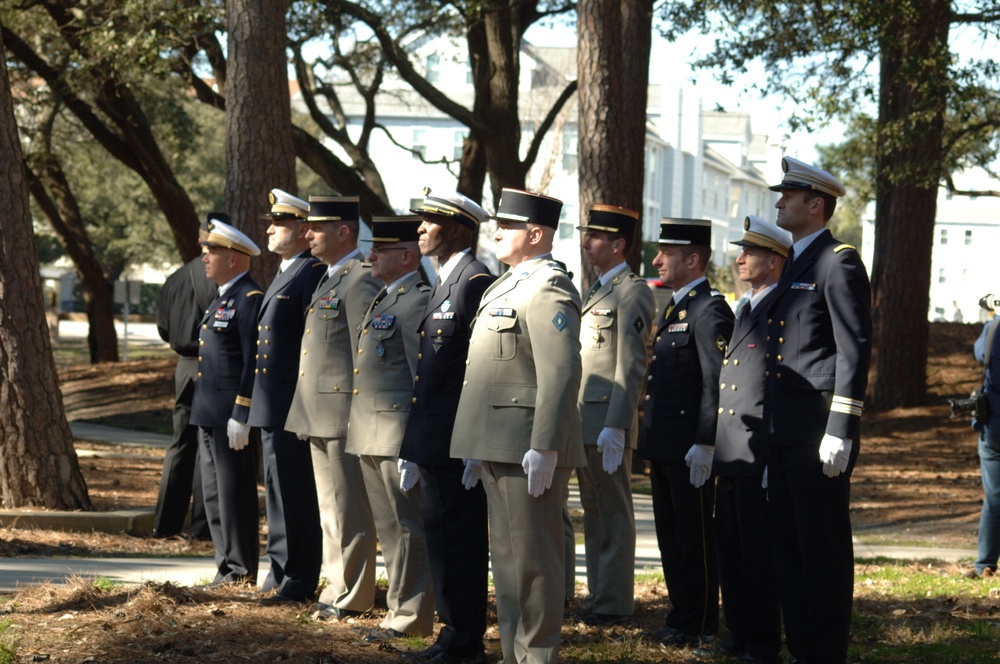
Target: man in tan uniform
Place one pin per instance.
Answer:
(518, 414)
(385, 366)
(616, 322)
(322, 405)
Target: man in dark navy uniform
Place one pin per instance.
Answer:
(221, 407)
(454, 518)
(681, 410)
(294, 538)
(185, 296)
(746, 570)
(818, 353)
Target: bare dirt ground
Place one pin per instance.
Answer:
(917, 481)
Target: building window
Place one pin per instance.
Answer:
(433, 68)
(419, 143)
(569, 151)
(968, 237)
(459, 143)
(944, 236)
(941, 276)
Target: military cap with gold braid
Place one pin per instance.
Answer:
(800, 175)
(764, 235)
(334, 208)
(284, 206)
(220, 234)
(611, 219)
(401, 228)
(451, 206)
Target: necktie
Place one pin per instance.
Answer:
(744, 311)
(788, 262)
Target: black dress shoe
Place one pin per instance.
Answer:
(445, 658)
(601, 619)
(321, 611)
(378, 635)
(423, 655)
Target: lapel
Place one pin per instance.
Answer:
(443, 291)
(680, 312)
(804, 261)
(220, 300)
(334, 281)
(283, 279)
(392, 296)
(509, 280)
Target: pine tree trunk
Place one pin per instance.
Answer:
(38, 465)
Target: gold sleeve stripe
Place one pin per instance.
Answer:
(243, 401)
(847, 406)
(255, 292)
(840, 248)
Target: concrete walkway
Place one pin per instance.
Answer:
(16, 572)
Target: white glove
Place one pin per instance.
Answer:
(409, 473)
(699, 460)
(473, 473)
(302, 436)
(540, 466)
(763, 480)
(611, 444)
(834, 453)
(239, 434)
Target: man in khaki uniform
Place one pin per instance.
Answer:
(385, 366)
(616, 323)
(322, 405)
(518, 414)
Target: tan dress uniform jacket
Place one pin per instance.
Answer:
(613, 334)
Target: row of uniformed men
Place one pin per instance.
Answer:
(513, 420)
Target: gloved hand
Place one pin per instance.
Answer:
(473, 473)
(540, 466)
(699, 460)
(763, 480)
(611, 444)
(239, 434)
(834, 453)
(302, 436)
(409, 473)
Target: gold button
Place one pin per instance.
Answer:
(267, 342)
(648, 397)
(259, 328)
(649, 377)
(266, 357)
(780, 358)
(265, 370)
(355, 371)
(420, 356)
(199, 374)
(256, 371)
(734, 388)
(513, 399)
(311, 310)
(200, 358)
(201, 342)
(770, 320)
(355, 390)
(366, 331)
(736, 362)
(395, 406)
(722, 386)
(267, 327)
(782, 323)
(302, 373)
(307, 330)
(767, 356)
(605, 397)
(413, 400)
(256, 357)
(336, 388)
(720, 410)
(305, 352)
(654, 358)
(781, 340)
(361, 351)
(731, 412)
(416, 379)
(258, 342)
(725, 361)
(465, 383)
(204, 327)
(439, 331)
(657, 339)
(766, 374)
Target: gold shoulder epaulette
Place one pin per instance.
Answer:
(841, 247)
(255, 292)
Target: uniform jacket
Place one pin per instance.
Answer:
(682, 400)
(523, 373)
(228, 343)
(186, 294)
(279, 335)
(820, 330)
(613, 333)
(739, 442)
(444, 346)
(386, 363)
(321, 406)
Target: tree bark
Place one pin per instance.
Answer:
(259, 151)
(38, 465)
(912, 98)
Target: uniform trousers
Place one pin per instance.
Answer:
(686, 540)
(455, 524)
(400, 527)
(349, 544)
(527, 550)
(229, 483)
(294, 538)
(181, 478)
(810, 532)
(609, 534)
(746, 568)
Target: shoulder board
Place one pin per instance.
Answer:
(635, 277)
(715, 293)
(255, 292)
(556, 265)
(841, 247)
(481, 274)
(422, 287)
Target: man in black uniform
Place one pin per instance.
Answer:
(294, 538)
(746, 570)
(185, 296)
(818, 353)
(454, 519)
(222, 403)
(681, 410)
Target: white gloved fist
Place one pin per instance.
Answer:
(763, 479)
(472, 474)
(699, 460)
(409, 473)
(835, 453)
(239, 434)
(611, 444)
(302, 436)
(540, 466)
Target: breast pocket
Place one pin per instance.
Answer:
(503, 331)
(329, 324)
(601, 330)
(383, 343)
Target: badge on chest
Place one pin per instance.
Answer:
(383, 321)
(224, 315)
